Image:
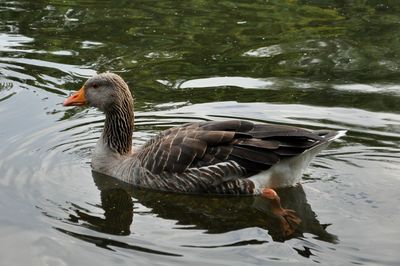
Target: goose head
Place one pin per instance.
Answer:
(106, 91)
(109, 93)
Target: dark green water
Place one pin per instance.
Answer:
(319, 64)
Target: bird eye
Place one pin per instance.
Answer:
(95, 85)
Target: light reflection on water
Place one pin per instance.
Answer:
(53, 154)
(57, 212)
(71, 199)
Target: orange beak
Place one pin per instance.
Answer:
(76, 99)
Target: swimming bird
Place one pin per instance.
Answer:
(215, 157)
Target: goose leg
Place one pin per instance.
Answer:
(287, 218)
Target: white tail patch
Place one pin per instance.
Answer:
(339, 134)
(289, 171)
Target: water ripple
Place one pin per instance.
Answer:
(198, 62)
(69, 69)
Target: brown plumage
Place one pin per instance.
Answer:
(224, 157)
(254, 147)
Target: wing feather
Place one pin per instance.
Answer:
(201, 145)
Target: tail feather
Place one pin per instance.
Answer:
(330, 135)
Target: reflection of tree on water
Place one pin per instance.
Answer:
(216, 214)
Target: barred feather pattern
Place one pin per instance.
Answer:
(221, 178)
(209, 157)
(219, 157)
(215, 157)
(118, 126)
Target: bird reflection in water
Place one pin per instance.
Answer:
(215, 214)
(118, 213)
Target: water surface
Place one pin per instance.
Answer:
(316, 64)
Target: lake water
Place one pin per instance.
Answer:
(316, 64)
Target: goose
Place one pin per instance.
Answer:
(235, 157)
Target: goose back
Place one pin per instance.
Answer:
(219, 156)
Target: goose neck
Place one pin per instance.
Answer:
(118, 129)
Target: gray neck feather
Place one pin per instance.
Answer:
(118, 127)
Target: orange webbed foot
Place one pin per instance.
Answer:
(288, 219)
